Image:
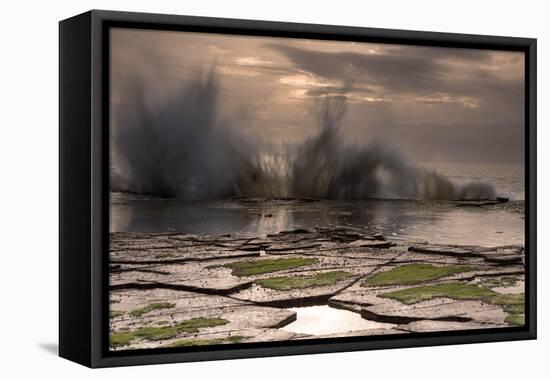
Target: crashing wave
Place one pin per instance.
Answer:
(183, 148)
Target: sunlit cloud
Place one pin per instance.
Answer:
(238, 70)
(440, 98)
(252, 61)
(304, 80)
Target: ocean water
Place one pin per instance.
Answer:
(396, 219)
(400, 220)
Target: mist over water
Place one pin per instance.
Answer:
(184, 148)
(180, 149)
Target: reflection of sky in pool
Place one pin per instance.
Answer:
(325, 320)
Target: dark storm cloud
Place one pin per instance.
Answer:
(392, 71)
(406, 70)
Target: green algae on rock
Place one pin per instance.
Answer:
(516, 320)
(163, 333)
(200, 342)
(250, 268)
(454, 290)
(499, 282)
(150, 307)
(413, 274)
(513, 304)
(114, 314)
(302, 282)
(120, 339)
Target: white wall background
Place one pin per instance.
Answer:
(29, 186)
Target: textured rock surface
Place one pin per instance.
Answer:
(158, 282)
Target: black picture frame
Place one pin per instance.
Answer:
(84, 186)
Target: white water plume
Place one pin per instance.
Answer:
(184, 148)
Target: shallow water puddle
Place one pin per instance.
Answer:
(325, 320)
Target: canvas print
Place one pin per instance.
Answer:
(269, 189)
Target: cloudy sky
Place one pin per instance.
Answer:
(431, 104)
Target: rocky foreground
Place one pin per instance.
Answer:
(174, 290)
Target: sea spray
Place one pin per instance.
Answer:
(180, 148)
(184, 148)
